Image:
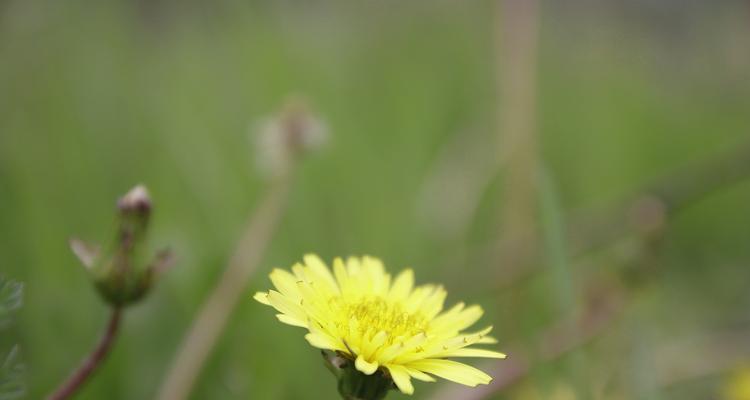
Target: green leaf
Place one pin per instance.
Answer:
(11, 377)
(11, 299)
(11, 370)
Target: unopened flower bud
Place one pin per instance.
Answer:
(125, 273)
(135, 212)
(137, 200)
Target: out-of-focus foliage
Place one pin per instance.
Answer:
(11, 377)
(96, 97)
(11, 370)
(11, 299)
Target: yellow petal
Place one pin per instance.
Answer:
(417, 297)
(365, 367)
(291, 320)
(342, 276)
(299, 272)
(434, 303)
(403, 353)
(482, 353)
(369, 347)
(285, 282)
(416, 374)
(461, 341)
(285, 305)
(353, 266)
(377, 277)
(402, 285)
(322, 341)
(401, 378)
(468, 317)
(459, 321)
(321, 272)
(331, 341)
(487, 340)
(389, 353)
(452, 371)
(262, 297)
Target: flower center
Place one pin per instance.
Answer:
(373, 314)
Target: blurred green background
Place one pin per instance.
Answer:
(96, 97)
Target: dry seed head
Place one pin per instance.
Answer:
(282, 139)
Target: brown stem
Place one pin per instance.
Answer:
(295, 129)
(214, 314)
(89, 365)
(517, 33)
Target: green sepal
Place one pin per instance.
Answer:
(353, 384)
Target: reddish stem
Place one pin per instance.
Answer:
(89, 365)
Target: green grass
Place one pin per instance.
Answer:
(97, 98)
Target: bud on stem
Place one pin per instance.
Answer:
(120, 275)
(124, 275)
(135, 212)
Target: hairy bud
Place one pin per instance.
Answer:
(125, 273)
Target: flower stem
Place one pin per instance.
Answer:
(212, 318)
(89, 365)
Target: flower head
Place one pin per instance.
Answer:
(380, 324)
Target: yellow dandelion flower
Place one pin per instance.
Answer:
(379, 324)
